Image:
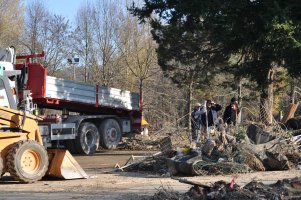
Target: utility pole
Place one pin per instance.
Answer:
(73, 61)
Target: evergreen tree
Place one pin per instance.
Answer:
(261, 34)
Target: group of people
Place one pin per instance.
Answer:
(206, 116)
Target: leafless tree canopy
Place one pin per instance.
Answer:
(11, 22)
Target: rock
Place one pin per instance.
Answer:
(208, 147)
(257, 135)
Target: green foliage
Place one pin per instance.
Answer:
(290, 134)
(241, 133)
(184, 51)
(262, 34)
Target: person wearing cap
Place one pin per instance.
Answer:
(196, 123)
(231, 112)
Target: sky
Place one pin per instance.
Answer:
(66, 8)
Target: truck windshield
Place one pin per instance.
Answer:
(3, 54)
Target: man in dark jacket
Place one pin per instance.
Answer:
(212, 115)
(231, 112)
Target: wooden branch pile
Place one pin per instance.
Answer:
(283, 189)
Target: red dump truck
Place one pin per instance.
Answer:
(89, 115)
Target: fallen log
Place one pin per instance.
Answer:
(118, 168)
(190, 182)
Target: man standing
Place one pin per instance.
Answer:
(212, 113)
(231, 112)
(196, 121)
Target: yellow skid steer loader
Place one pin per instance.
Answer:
(22, 152)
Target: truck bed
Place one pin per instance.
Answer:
(57, 93)
(62, 89)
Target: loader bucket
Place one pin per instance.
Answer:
(63, 165)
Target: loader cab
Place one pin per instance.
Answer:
(8, 76)
(6, 94)
(3, 95)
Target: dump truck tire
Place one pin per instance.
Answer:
(87, 140)
(27, 161)
(110, 134)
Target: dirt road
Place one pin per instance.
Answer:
(112, 185)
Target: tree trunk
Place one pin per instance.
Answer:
(238, 121)
(141, 96)
(292, 94)
(270, 96)
(267, 101)
(189, 107)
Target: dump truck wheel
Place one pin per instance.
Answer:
(110, 134)
(27, 161)
(87, 140)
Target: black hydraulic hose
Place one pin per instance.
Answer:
(24, 117)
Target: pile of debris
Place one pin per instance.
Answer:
(153, 164)
(226, 152)
(139, 142)
(156, 164)
(151, 142)
(283, 189)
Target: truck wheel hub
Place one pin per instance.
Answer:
(89, 138)
(112, 134)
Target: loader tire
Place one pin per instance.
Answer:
(27, 161)
(110, 134)
(87, 140)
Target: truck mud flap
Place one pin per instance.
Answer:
(63, 165)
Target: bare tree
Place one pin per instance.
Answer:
(106, 25)
(11, 22)
(36, 14)
(47, 32)
(83, 37)
(54, 40)
(138, 50)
